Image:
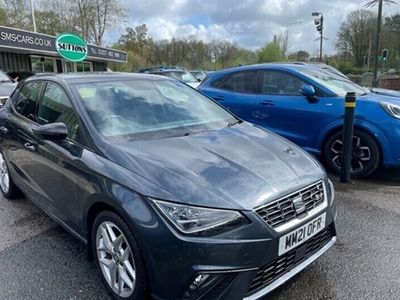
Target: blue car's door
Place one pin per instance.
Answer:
(282, 109)
(237, 92)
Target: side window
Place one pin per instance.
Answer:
(56, 107)
(281, 84)
(26, 99)
(242, 82)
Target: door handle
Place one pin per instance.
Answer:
(3, 130)
(267, 103)
(30, 146)
(218, 98)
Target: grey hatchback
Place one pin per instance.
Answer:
(175, 197)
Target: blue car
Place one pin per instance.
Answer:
(306, 105)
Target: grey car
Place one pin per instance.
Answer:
(175, 197)
(6, 87)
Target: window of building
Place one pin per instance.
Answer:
(43, 64)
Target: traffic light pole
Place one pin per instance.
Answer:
(322, 38)
(319, 22)
(377, 45)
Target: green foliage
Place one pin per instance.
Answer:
(271, 52)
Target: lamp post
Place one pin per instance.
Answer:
(319, 23)
(288, 34)
(378, 35)
(33, 16)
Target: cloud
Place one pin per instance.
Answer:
(249, 23)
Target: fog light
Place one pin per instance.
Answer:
(199, 280)
(201, 285)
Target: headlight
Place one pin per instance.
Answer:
(330, 191)
(198, 220)
(391, 109)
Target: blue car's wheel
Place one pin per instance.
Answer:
(365, 154)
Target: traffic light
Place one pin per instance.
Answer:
(319, 23)
(385, 54)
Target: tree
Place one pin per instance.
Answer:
(392, 24)
(56, 16)
(271, 52)
(16, 14)
(355, 34)
(302, 55)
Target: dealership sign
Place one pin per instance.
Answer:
(12, 39)
(71, 47)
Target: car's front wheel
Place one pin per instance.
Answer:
(365, 155)
(118, 257)
(7, 186)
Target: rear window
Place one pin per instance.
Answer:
(241, 82)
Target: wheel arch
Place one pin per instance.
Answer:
(370, 130)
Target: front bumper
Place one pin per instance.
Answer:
(174, 261)
(285, 277)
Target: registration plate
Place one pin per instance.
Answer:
(298, 236)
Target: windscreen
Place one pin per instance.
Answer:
(147, 109)
(181, 76)
(337, 84)
(4, 77)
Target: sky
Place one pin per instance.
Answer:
(249, 23)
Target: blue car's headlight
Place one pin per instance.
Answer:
(198, 220)
(391, 109)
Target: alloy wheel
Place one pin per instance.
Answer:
(4, 176)
(116, 259)
(360, 155)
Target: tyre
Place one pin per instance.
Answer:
(365, 154)
(7, 186)
(118, 258)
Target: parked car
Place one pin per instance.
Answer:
(175, 197)
(199, 75)
(19, 76)
(306, 104)
(6, 87)
(379, 91)
(178, 74)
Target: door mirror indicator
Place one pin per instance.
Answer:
(52, 131)
(309, 92)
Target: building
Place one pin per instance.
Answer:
(26, 51)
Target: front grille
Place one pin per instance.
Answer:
(271, 272)
(284, 210)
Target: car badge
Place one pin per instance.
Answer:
(299, 205)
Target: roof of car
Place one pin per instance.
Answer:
(260, 66)
(94, 76)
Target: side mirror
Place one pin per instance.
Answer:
(198, 79)
(52, 131)
(309, 92)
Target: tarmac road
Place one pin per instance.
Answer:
(39, 260)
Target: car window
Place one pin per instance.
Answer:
(56, 107)
(281, 83)
(25, 103)
(242, 82)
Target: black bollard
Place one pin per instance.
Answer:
(347, 140)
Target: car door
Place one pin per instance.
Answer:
(56, 162)
(237, 92)
(16, 125)
(283, 109)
